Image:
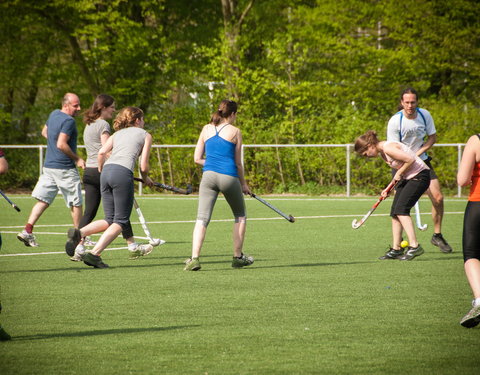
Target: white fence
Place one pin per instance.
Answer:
(348, 150)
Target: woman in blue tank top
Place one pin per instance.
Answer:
(221, 143)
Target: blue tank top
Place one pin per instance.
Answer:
(220, 155)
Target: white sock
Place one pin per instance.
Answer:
(476, 302)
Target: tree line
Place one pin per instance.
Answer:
(302, 72)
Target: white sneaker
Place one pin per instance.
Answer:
(157, 242)
(139, 250)
(88, 242)
(27, 238)
(79, 252)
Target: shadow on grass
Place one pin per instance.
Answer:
(140, 263)
(119, 331)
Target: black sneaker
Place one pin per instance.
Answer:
(438, 240)
(392, 254)
(94, 261)
(74, 238)
(412, 252)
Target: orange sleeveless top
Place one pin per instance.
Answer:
(475, 188)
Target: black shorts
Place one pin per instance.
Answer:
(471, 232)
(433, 175)
(408, 192)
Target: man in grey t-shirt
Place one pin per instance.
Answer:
(59, 169)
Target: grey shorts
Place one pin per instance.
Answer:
(52, 180)
(213, 183)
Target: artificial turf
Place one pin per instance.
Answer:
(316, 301)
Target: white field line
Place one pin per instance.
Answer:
(272, 198)
(176, 222)
(217, 221)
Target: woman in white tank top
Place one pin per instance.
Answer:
(412, 180)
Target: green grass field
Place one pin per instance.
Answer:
(316, 301)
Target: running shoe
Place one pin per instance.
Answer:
(74, 238)
(139, 250)
(94, 261)
(472, 318)
(243, 261)
(439, 241)
(192, 264)
(79, 253)
(392, 254)
(412, 252)
(28, 239)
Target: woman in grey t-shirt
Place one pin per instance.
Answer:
(96, 133)
(126, 145)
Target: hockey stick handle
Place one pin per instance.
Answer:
(290, 218)
(175, 189)
(10, 202)
(357, 224)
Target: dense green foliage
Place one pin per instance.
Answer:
(303, 71)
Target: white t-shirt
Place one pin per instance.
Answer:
(411, 132)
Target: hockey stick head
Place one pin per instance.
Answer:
(291, 219)
(356, 224)
(189, 190)
(423, 227)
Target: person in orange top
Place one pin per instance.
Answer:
(469, 174)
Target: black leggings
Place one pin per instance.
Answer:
(93, 196)
(471, 231)
(407, 193)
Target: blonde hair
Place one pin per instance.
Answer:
(364, 141)
(127, 117)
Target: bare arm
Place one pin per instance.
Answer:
(238, 162)
(144, 160)
(431, 140)
(62, 144)
(102, 153)
(470, 156)
(3, 165)
(395, 151)
(45, 131)
(199, 153)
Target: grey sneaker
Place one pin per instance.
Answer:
(439, 241)
(28, 239)
(392, 254)
(192, 264)
(243, 261)
(74, 238)
(94, 261)
(472, 318)
(412, 252)
(139, 250)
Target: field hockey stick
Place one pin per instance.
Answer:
(290, 218)
(175, 189)
(153, 241)
(357, 224)
(9, 201)
(420, 226)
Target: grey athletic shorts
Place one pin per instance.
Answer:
(52, 180)
(213, 183)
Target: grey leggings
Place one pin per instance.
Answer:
(117, 189)
(212, 183)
